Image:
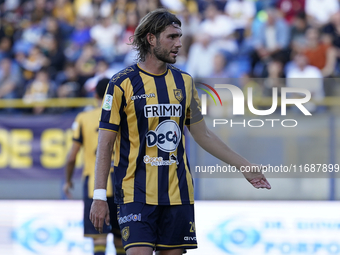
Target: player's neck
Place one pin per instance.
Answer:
(153, 65)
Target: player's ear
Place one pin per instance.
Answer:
(151, 39)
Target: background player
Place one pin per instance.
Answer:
(146, 107)
(85, 134)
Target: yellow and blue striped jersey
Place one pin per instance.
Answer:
(149, 113)
(85, 131)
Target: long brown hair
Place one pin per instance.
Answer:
(155, 23)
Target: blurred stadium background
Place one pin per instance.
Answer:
(52, 53)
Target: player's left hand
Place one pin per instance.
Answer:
(67, 189)
(99, 213)
(257, 178)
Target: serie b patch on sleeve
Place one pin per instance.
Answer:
(107, 103)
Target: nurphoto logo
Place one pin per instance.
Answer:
(238, 99)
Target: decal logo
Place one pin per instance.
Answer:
(166, 136)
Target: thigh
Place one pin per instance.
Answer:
(139, 251)
(176, 228)
(113, 217)
(138, 224)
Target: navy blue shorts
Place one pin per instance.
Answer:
(89, 230)
(161, 227)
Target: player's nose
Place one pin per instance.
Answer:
(178, 43)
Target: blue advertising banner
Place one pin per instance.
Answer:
(35, 146)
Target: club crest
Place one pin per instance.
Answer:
(178, 94)
(125, 233)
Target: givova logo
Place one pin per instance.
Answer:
(234, 237)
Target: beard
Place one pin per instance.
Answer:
(162, 54)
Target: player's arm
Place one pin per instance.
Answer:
(212, 144)
(99, 209)
(70, 165)
(106, 140)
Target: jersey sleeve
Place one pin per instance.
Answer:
(77, 131)
(112, 107)
(193, 113)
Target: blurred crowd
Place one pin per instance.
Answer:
(61, 48)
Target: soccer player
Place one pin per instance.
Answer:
(85, 133)
(143, 115)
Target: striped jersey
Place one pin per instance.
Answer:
(149, 113)
(85, 131)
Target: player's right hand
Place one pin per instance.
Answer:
(66, 189)
(99, 213)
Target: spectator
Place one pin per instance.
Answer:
(38, 90)
(219, 66)
(105, 35)
(190, 24)
(242, 13)
(54, 54)
(5, 48)
(81, 33)
(271, 41)
(216, 25)
(40, 8)
(201, 57)
(123, 43)
(9, 80)
(298, 31)
(320, 12)
(33, 32)
(220, 28)
(86, 64)
(274, 78)
(143, 6)
(333, 29)
(102, 71)
(68, 83)
(101, 8)
(52, 28)
(63, 11)
(291, 8)
(33, 63)
(305, 76)
(319, 53)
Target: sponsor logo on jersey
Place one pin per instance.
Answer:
(162, 110)
(190, 238)
(166, 136)
(130, 217)
(159, 161)
(107, 102)
(142, 96)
